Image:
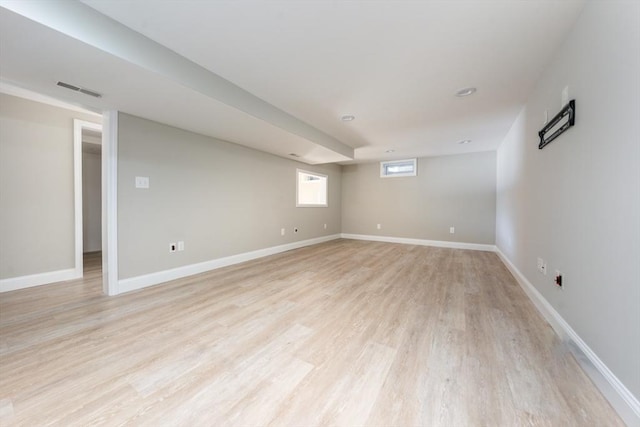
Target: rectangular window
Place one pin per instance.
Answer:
(311, 189)
(395, 168)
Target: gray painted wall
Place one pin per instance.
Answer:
(219, 198)
(91, 202)
(576, 203)
(36, 187)
(449, 191)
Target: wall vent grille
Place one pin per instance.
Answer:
(80, 89)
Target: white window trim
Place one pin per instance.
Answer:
(391, 162)
(306, 205)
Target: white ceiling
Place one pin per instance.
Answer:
(395, 65)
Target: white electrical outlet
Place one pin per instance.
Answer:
(181, 245)
(542, 266)
(282, 231)
(452, 230)
(379, 226)
(142, 182)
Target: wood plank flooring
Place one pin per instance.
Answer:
(346, 333)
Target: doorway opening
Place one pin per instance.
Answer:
(92, 202)
(88, 198)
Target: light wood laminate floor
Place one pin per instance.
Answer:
(345, 333)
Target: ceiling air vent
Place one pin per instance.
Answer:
(80, 89)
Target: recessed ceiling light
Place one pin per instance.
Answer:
(465, 141)
(465, 91)
(390, 151)
(348, 118)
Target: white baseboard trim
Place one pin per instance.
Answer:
(420, 242)
(39, 279)
(139, 282)
(622, 400)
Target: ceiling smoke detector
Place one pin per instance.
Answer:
(348, 118)
(80, 89)
(293, 155)
(464, 141)
(465, 91)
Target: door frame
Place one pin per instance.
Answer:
(110, 202)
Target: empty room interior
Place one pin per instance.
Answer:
(320, 213)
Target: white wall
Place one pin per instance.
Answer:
(91, 202)
(36, 188)
(220, 198)
(458, 191)
(576, 203)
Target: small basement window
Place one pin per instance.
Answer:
(311, 189)
(395, 168)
